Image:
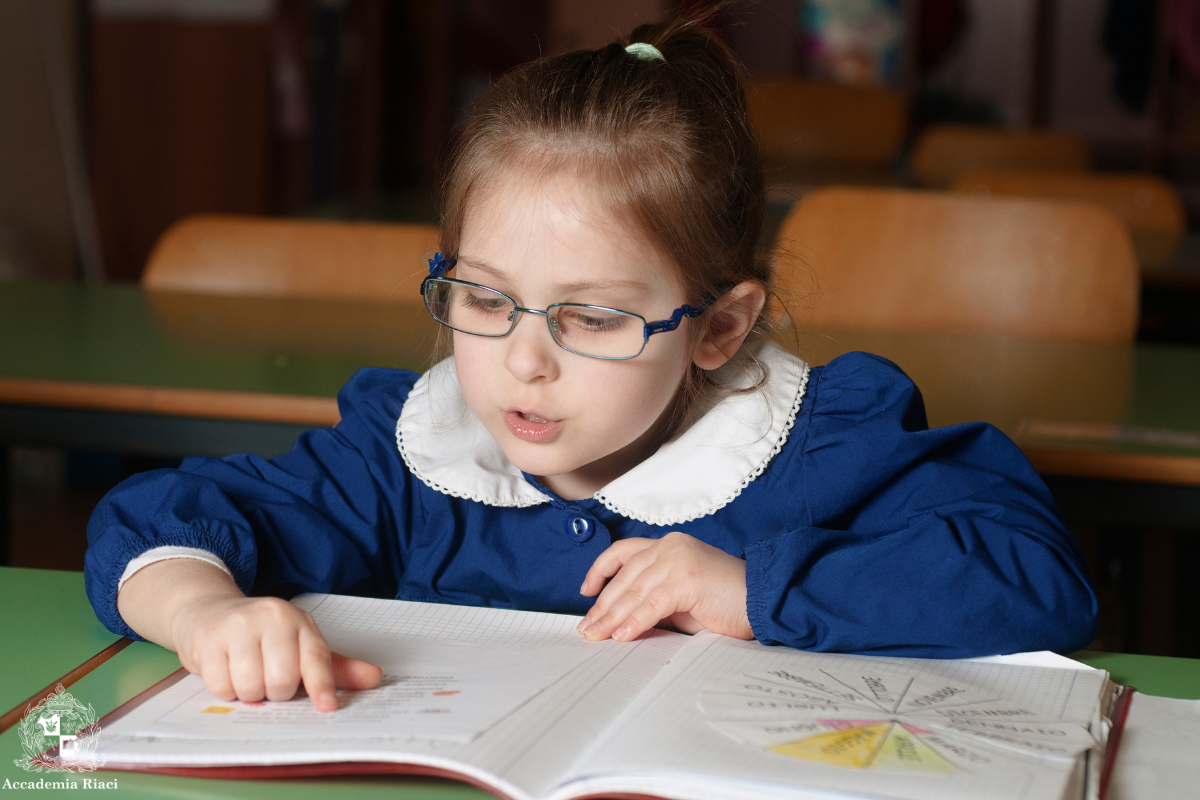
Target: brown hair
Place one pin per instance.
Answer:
(668, 141)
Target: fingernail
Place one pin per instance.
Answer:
(591, 629)
(582, 586)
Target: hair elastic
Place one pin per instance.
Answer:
(645, 52)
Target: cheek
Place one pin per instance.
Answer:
(473, 363)
(635, 394)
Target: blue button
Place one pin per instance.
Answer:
(580, 529)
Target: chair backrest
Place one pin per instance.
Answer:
(1146, 203)
(258, 256)
(943, 152)
(807, 122)
(885, 259)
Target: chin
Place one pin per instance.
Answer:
(526, 458)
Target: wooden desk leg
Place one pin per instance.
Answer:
(7, 489)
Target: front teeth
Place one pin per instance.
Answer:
(535, 418)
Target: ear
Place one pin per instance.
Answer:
(733, 316)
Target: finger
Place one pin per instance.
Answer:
(609, 563)
(215, 670)
(316, 670)
(246, 670)
(189, 662)
(624, 599)
(281, 664)
(658, 605)
(620, 583)
(350, 673)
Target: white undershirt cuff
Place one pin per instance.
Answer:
(166, 552)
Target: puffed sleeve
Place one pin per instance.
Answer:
(323, 517)
(939, 543)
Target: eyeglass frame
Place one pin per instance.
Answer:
(439, 265)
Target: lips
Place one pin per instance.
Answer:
(530, 426)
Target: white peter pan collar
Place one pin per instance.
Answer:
(699, 471)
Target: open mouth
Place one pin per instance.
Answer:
(531, 427)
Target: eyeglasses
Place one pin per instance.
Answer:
(586, 330)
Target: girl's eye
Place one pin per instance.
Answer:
(485, 304)
(593, 323)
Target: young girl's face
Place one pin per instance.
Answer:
(575, 422)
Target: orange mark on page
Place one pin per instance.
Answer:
(447, 693)
(217, 710)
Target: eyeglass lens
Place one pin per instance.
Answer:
(586, 330)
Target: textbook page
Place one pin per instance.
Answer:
(430, 690)
(1157, 760)
(732, 718)
(522, 754)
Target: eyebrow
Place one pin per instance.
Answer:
(603, 283)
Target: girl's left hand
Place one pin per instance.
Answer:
(678, 577)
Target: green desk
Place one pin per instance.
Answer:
(140, 665)
(113, 368)
(47, 628)
(1156, 675)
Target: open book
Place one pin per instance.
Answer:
(519, 704)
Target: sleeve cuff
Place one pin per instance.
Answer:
(167, 552)
(757, 556)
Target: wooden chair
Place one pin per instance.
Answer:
(943, 152)
(886, 259)
(231, 255)
(808, 128)
(294, 285)
(1146, 203)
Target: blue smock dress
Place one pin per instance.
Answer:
(863, 530)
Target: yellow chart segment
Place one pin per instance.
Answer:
(885, 746)
(901, 751)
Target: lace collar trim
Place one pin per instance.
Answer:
(698, 472)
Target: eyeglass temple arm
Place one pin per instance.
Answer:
(439, 265)
(664, 325)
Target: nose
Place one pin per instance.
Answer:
(532, 354)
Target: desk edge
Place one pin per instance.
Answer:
(318, 412)
(1100, 465)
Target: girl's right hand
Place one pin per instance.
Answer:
(251, 648)
(245, 648)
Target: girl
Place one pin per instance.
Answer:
(612, 425)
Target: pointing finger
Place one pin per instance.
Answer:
(316, 670)
(351, 673)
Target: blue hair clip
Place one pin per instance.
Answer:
(439, 265)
